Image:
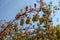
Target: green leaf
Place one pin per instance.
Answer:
(13, 38)
(41, 21)
(35, 18)
(44, 26)
(55, 8)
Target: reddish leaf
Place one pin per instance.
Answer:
(42, 3)
(26, 8)
(40, 9)
(17, 16)
(31, 9)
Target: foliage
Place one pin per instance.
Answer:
(48, 32)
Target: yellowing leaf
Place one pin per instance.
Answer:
(28, 20)
(22, 22)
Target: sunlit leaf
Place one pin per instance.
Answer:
(35, 18)
(22, 22)
(28, 20)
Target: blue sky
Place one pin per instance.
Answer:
(9, 8)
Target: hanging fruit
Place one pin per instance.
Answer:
(35, 18)
(22, 22)
(28, 20)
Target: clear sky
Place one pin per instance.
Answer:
(9, 8)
